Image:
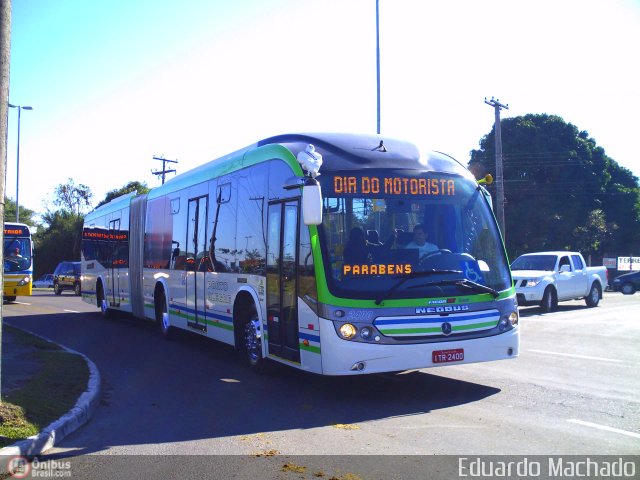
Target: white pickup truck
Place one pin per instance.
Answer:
(547, 278)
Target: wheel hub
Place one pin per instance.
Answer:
(252, 341)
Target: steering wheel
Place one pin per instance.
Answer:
(428, 255)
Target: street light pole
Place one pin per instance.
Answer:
(378, 63)
(20, 108)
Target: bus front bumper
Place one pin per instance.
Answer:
(12, 289)
(344, 357)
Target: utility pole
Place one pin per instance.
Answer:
(495, 103)
(5, 54)
(164, 168)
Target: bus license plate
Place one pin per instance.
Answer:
(445, 356)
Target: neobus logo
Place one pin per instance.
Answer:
(447, 309)
(439, 302)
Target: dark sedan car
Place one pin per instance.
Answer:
(627, 283)
(67, 277)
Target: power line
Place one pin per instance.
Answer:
(499, 174)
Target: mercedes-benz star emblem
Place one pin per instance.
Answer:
(446, 328)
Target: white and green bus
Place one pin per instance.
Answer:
(307, 249)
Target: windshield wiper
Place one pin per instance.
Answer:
(424, 273)
(462, 282)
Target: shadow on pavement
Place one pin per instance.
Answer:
(154, 391)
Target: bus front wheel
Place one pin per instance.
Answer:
(249, 337)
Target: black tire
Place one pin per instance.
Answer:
(595, 294)
(56, 289)
(628, 289)
(251, 346)
(549, 300)
(77, 289)
(11, 298)
(102, 302)
(162, 315)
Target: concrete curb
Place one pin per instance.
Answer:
(71, 421)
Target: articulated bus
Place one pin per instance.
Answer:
(300, 249)
(18, 261)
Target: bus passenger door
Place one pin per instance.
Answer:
(197, 263)
(113, 269)
(282, 288)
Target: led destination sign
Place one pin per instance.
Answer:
(373, 185)
(111, 235)
(376, 269)
(16, 231)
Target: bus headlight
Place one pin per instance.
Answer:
(24, 281)
(508, 322)
(347, 331)
(365, 333)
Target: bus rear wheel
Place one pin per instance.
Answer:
(103, 305)
(162, 315)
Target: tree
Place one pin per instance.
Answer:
(133, 186)
(622, 206)
(562, 190)
(72, 197)
(26, 215)
(59, 241)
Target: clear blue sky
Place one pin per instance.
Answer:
(114, 83)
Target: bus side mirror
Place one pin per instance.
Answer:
(311, 202)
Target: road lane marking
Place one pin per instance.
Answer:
(604, 427)
(22, 303)
(575, 355)
(70, 311)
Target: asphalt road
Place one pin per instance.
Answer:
(573, 390)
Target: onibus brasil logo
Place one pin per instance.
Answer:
(21, 467)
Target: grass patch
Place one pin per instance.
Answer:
(48, 395)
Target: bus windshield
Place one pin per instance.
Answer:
(398, 234)
(17, 254)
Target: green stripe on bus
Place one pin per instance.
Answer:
(324, 296)
(398, 331)
(456, 328)
(222, 325)
(310, 348)
(475, 325)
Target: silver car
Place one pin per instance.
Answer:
(45, 281)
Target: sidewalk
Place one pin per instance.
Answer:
(19, 366)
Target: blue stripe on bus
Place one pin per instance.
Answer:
(207, 314)
(308, 336)
(449, 318)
